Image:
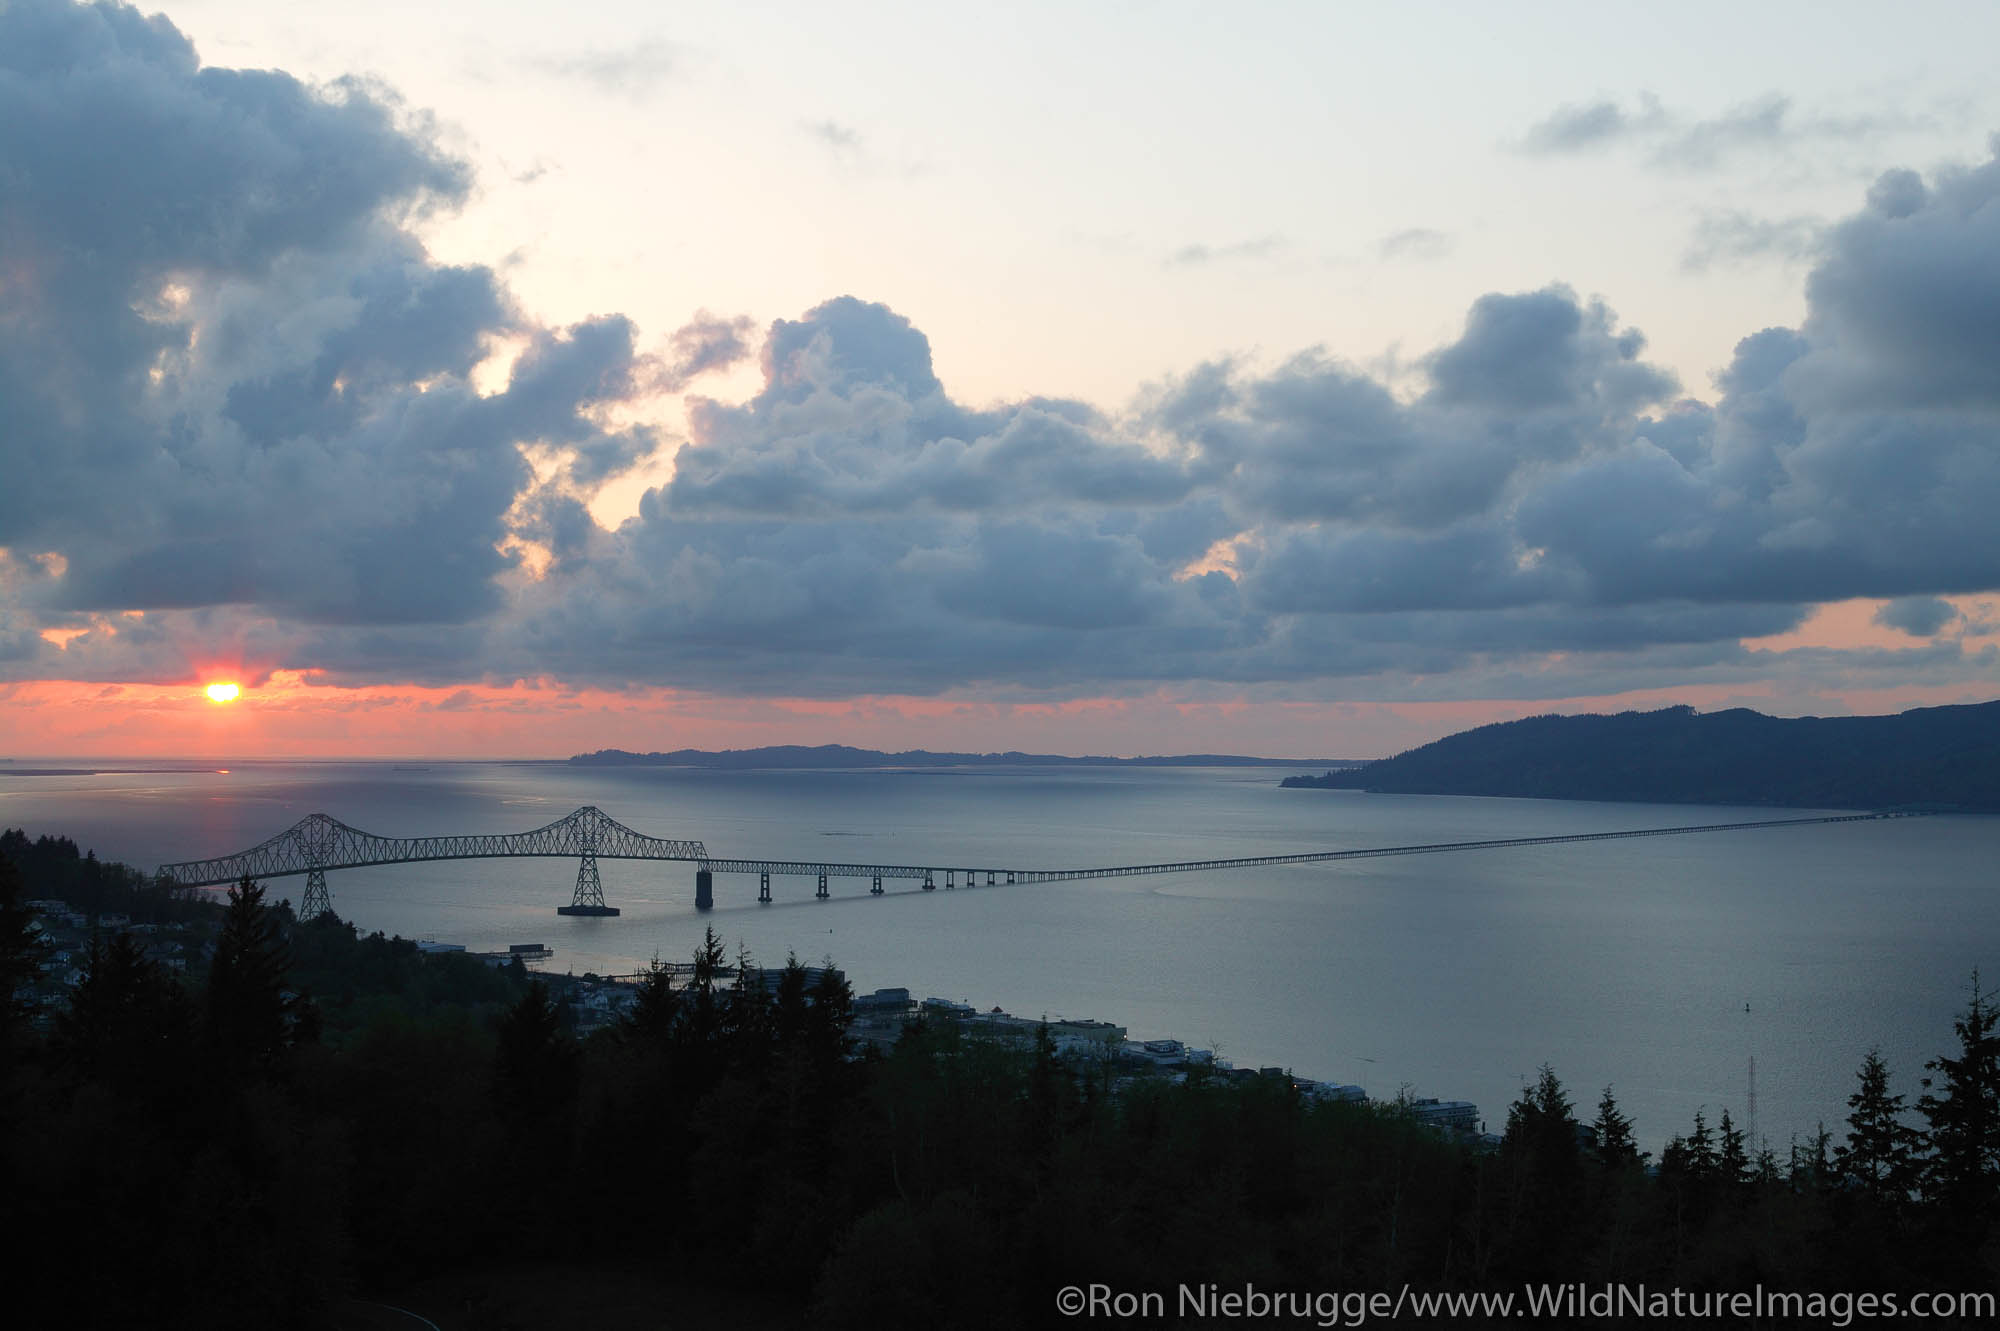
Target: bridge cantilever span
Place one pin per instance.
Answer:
(317, 843)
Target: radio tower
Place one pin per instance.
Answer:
(1756, 1146)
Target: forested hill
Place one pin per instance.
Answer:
(1944, 757)
(841, 756)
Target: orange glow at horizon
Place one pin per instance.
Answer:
(223, 691)
(292, 714)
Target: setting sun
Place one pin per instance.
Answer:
(222, 692)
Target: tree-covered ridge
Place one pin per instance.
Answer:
(212, 1154)
(1930, 757)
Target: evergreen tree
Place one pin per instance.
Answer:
(746, 1017)
(1963, 1172)
(829, 1014)
(1700, 1148)
(127, 1019)
(1732, 1160)
(1880, 1154)
(1616, 1148)
(1543, 1174)
(702, 1020)
(655, 1010)
(791, 1011)
(248, 1018)
(535, 1061)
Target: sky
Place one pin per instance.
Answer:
(1302, 380)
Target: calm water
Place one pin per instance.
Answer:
(1625, 962)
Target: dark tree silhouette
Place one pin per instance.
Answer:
(128, 1021)
(1880, 1154)
(1963, 1173)
(1616, 1148)
(248, 1016)
(535, 1063)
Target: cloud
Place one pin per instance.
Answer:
(1677, 141)
(1418, 244)
(1918, 616)
(840, 139)
(229, 375)
(1584, 126)
(705, 344)
(1738, 239)
(634, 71)
(1197, 256)
(244, 414)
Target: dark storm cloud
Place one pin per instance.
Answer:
(237, 396)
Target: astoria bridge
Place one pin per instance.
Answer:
(318, 844)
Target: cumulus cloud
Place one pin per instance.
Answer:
(229, 374)
(240, 406)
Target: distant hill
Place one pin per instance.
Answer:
(837, 756)
(1936, 757)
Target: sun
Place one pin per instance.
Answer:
(222, 692)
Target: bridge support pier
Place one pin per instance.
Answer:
(821, 894)
(1010, 875)
(704, 889)
(930, 884)
(589, 898)
(317, 901)
(764, 888)
(877, 889)
(950, 879)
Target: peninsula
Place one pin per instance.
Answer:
(1940, 758)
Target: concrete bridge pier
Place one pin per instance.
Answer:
(764, 888)
(821, 894)
(704, 889)
(930, 884)
(876, 890)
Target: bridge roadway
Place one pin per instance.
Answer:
(319, 843)
(877, 872)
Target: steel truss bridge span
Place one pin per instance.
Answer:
(319, 843)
